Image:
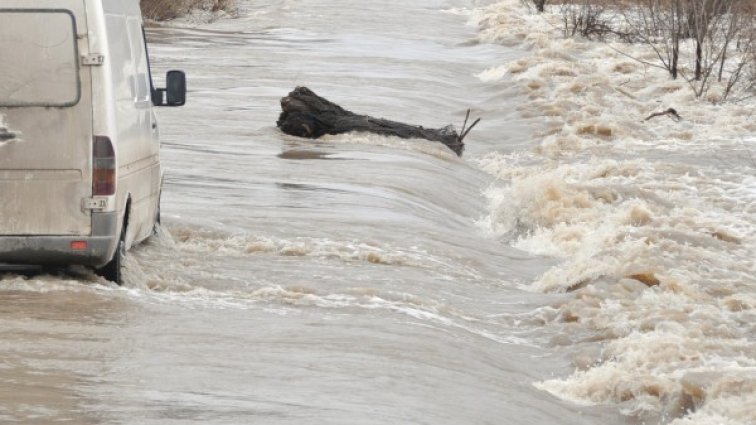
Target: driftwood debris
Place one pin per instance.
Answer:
(305, 114)
(671, 112)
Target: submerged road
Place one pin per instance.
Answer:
(342, 281)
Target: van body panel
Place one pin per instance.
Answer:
(46, 134)
(40, 58)
(46, 103)
(56, 250)
(132, 123)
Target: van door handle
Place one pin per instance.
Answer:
(154, 125)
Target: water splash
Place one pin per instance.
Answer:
(653, 223)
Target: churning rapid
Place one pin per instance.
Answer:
(577, 266)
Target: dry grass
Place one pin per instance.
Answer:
(163, 10)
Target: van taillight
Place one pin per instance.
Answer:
(103, 170)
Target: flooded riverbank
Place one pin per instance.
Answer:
(353, 279)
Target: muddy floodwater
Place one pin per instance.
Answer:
(356, 279)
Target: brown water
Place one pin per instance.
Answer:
(652, 222)
(351, 280)
(338, 281)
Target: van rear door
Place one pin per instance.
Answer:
(45, 118)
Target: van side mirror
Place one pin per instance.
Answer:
(175, 82)
(174, 93)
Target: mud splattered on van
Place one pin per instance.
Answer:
(6, 134)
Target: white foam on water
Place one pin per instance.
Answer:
(436, 149)
(153, 285)
(459, 11)
(75, 279)
(150, 285)
(202, 240)
(654, 223)
(293, 299)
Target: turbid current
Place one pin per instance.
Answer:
(348, 280)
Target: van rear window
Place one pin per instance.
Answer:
(39, 60)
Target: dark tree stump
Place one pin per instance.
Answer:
(305, 114)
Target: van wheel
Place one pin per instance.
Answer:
(113, 271)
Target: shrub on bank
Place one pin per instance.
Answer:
(705, 42)
(164, 10)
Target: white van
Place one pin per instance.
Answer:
(80, 174)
